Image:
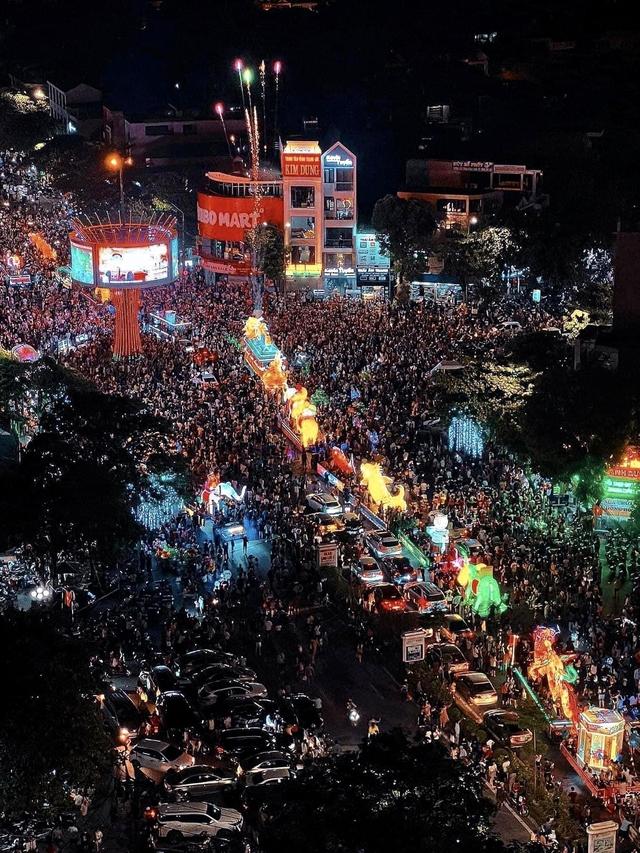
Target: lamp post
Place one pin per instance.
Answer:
(116, 162)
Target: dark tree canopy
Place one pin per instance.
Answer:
(389, 793)
(51, 735)
(405, 228)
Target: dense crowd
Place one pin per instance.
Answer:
(377, 364)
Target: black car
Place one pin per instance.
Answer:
(352, 525)
(119, 704)
(217, 671)
(238, 741)
(198, 659)
(160, 679)
(175, 711)
(505, 727)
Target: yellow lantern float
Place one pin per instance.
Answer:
(600, 736)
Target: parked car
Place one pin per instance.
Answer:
(248, 741)
(219, 671)
(324, 502)
(474, 692)
(158, 755)
(383, 544)
(388, 598)
(271, 776)
(270, 759)
(198, 781)
(454, 627)
(128, 716)
(352, 524)
(368, 572)
(214, 691)
(329, 526)
(160, 679)
(425, 597)
(198, 659)
(176, 821)
(504, 726)
(175, 711)
(449, 656)
(399, 570)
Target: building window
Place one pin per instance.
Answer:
(451, 205)
(329, 176)
(189, 129)
(303, 227)
(157, 130)
(338, 238)
(303, 254)
(303, 197)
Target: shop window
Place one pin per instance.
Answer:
(158, 130)
(303, 254)
(451, 205)
(303, 197)
(303, 227)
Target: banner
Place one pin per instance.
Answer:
(301, 165)
(222, 218)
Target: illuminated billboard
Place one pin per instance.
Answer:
(133, 264)
(82, 264)
(229, 219)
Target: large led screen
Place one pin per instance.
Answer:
(141, 264)
(81, 264)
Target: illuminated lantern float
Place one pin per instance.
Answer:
(600, 737)
(267, 362)
(124, 259)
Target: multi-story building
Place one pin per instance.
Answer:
(467, 193)
(313, 199)
(339, 216)
(303, 210)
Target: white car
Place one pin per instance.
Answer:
(183, 820)
(159, 755)
(383, 544)
(321, 502)
(217, 691)
(368, 572)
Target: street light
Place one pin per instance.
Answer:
(116, 162)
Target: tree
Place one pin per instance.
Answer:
(481, 256)
(273, 260)
(51, 736)
(390, 789)
(24, 121)
(85, 470)
(405, 227)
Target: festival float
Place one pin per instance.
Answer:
(619, 491)
(594, 740)
(297, 417)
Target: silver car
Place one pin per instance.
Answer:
(183, 820)
(198, 781)
(158, 755)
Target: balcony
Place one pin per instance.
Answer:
(339, 215)
(338, 242)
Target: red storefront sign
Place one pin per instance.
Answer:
(226, 267)
(222, 218)
(624, 472)
(301, 166)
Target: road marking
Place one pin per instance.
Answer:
(375, 689)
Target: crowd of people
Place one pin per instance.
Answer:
(377, 364)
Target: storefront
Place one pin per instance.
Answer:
(373, 268)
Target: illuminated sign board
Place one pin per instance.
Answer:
(301, 165)
(373, 275)
(131, 264)
(338, 160)
(369, 252)
(82, 264)
(472, 166)
(229, 219)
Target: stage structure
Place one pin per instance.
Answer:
(124, 258)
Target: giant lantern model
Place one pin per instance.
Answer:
(600, 737)
(124, 258)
